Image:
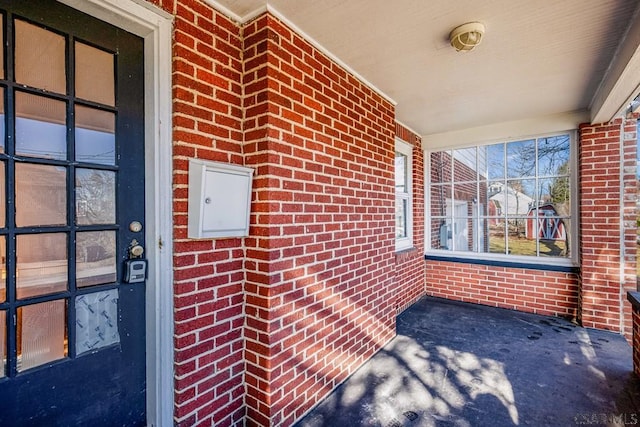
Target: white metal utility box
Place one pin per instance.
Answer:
(219, 199)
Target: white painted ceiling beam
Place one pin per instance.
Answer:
(621, 83)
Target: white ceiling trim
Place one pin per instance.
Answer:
(622, 81)
(268, 8)
(505, 131)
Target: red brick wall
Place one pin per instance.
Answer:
(320, 294)
(208, 274)
(534, 291)
(409, 268)
(607, 186)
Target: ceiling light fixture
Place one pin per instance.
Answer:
(467, 36)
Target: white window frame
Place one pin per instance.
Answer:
(404, 243)
(572, 261)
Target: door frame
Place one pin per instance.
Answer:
(154, 25)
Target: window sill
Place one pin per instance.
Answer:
(522, 262)
(406, 253)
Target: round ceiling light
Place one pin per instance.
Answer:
(467, 36)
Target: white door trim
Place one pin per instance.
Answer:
(155, 27)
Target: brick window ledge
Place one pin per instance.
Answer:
(405, 254)
(507, 264)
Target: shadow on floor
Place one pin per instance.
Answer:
(458, 364)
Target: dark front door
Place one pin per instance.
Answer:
(72, 332)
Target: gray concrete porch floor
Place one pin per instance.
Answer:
(459, 364)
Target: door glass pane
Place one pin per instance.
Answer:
(96, 320)
(2, 196)
(41, 333)
(94, 74)
(3, 269)
(41, 264)
(1, 44)
(40, 127)
(95, 258)
(95, 136)
(3, 343)
(95, 197)
(39, 57)
(40, 195)
(2, 119)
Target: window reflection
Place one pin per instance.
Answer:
(400, 172)
(521, 159)
(401, 219)
(40, 127)
(95, 258)
(95, 136)
(510, 198)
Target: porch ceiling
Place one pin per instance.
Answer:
(537, 59)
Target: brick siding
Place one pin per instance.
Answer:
(607, 223)
(535, 291)
(208, 274)
(409, 268)
(320, 266)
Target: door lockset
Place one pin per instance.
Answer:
(135, 249)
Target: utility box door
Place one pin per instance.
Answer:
(219, 199)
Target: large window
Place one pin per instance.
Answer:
(510, 198)
(404, 205)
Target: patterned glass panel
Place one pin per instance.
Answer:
(42, 333)
(41, 264)
(95, 197)
(39, 57)
(95, 258)
(96, 320)
(95, 74)
(41, 197)
(95, 136)
(40, 127)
